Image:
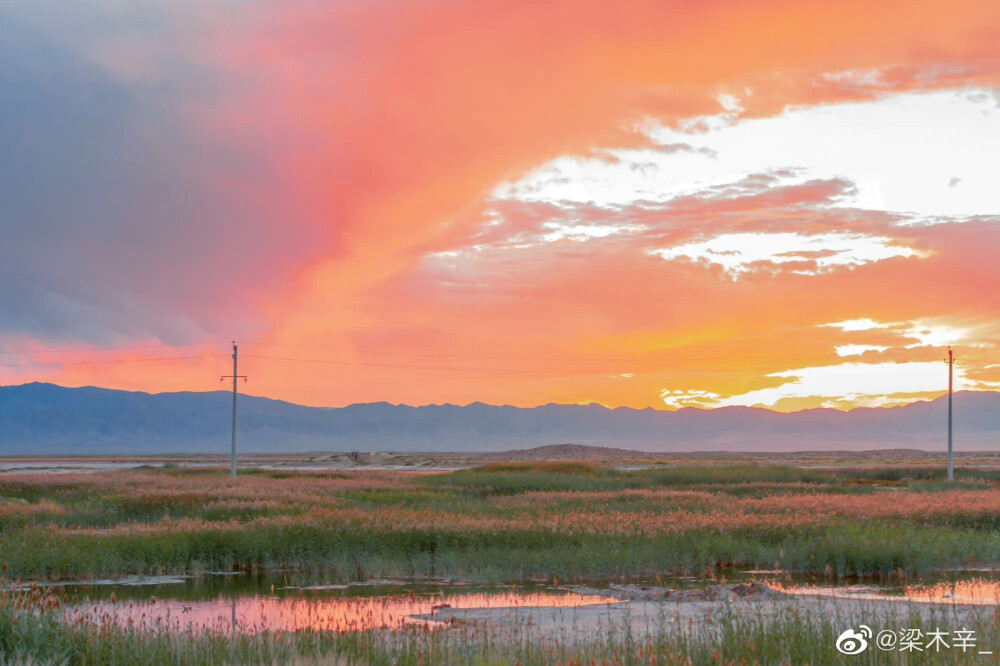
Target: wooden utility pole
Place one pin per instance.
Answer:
(235, 376)
(951, 365)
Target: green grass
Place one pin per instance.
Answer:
(91, 525)
(497, 522)
(871, 548)
(514, 478)
(792, 638)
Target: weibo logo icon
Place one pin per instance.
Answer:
(854, 642)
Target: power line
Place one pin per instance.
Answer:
(403, 366)
(99, 349)
(320, 361)
(389, 365)
(595, 359)
(107, 361)
(459, 368)
(642, 358)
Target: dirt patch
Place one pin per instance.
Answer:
(751, 591)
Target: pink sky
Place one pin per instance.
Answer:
(787, 204)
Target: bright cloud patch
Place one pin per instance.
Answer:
(925, 333)
(583, 232)
(857, 382)
(743, 252)
(810, 192)
(857, 350)
(883, 146)
(857, 324)
(549, 232)
(934, 335)
(678, 399)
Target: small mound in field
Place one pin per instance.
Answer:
(541, 467)
(569, 452)
(754, 591)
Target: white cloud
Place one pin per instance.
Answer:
(583, 232)
(934, 335)
(730, 103)
(927, 333)
(857, 324)
(856, 382)
(857, 350)
(742, 252)
(864, 78)
(677, 398)
(902, 152)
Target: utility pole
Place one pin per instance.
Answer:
(951, 364)
(234, 376)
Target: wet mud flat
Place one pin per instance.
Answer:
(699, 613)
(246, 605)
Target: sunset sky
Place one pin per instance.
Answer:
(637, 203)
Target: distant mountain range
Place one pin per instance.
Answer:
(48, 419)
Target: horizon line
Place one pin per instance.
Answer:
(943, 394)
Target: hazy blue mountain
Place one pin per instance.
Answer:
(45, 418)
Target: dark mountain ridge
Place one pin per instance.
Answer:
(49, 419)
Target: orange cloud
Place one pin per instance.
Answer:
(386, 127)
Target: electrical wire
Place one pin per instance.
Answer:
(629, 359)
(625, 358)
(107, 361)
(100, 349)
(391, 365)
(476, 368)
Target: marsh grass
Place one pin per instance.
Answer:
(502, 521)
(497, 522)
(33, 632)
(520, 477)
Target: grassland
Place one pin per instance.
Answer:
(501, 521)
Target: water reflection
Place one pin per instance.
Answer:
(245, 604)
(973, 591)
(976, 591)
(249, 615)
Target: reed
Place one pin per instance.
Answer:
(33, 632)
(501, 521)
